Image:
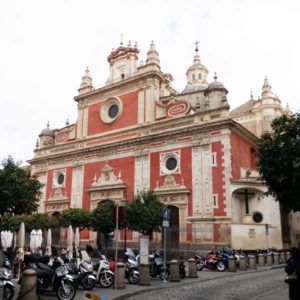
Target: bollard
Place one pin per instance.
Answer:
(282, 258)
(276, 258)
(174, 270)
(261, 260)
(269, 260)
(120, 276)
(252, 262)
(288, 256)
(192, 268)
(231, 264)
(243, 263)
(28, 285)
(144, 274)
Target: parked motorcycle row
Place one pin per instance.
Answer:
(62, 277)
(218, 260)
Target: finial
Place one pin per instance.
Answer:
(251, 94)
(67, 122)
(215, 77)
(197, 42)
(121, 43)
(129, 44)
(48, 124)
(135, 45)
(37, 144)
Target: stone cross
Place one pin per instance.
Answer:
(245, 193)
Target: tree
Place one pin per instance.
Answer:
(144, 214)
(279, 161)
(19, 191)
(77, 217)
(102, 219)
(40, 221)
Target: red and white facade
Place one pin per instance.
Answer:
(137, 132)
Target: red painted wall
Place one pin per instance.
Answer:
(241, 155)
(125, 165)
(128, 117)
(186, 172)
(218, 178)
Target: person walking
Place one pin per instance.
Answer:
(293, 266)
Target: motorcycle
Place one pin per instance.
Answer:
(7, 288)
(104, 276)
(131, 267)
(54, 277)
(156, 267)
(83, 275)
(212, 261)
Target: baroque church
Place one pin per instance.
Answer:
(138, 133)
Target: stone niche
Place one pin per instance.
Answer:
(107, 186)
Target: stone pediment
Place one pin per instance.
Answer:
(172, 193)
(107, 178)
(57, 202)
(170, 186)
(107, 186)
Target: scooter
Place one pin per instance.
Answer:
(156, 267)
(131, 267)
(54, 278)
(5, 279)
(83, 275)
(104, 276)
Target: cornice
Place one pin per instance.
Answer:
(138, 77)
(172, 129)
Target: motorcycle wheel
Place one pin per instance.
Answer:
(8, 292)
(221, 267)
(133, 278)
(66, 294)
(164, 274)
(106, 280)
(200, 266)
(87, 283)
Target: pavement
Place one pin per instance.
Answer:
(156, 284)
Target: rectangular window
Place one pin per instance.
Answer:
(214, 159)
(215, 201)
(199, 76)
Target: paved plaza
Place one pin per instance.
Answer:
(262, 283)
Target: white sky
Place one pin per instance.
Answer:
(45, 47)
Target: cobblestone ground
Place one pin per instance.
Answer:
(243, 286)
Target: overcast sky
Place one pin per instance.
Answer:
(45, 47)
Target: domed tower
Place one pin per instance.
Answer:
(46, 137)
(123, 62)
(216, 91)
(196, 75)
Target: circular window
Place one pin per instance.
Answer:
(257, 217)
(113, 111)
(60, 179)
(171, 163)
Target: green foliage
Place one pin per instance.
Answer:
(279, 161)
(19, 192)
(35, 221)
(77, 217)
(11, 222)
(102, 218)
(144, 214)
(40, 221)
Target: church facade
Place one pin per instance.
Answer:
(138, 133)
